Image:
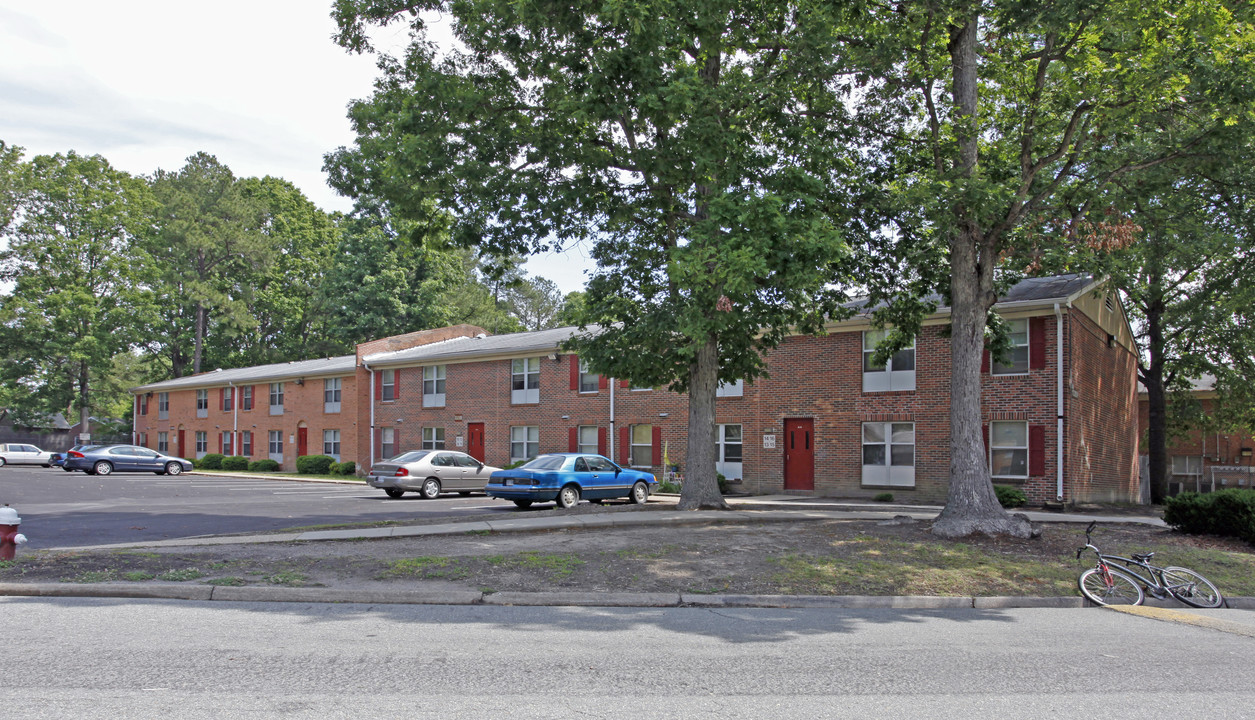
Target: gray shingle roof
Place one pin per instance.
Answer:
(540, 341)
(1043, 290)
(342, 365)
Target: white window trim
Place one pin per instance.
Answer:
(276, 392)
(387, 385)
(730, 469)
(888, 474)
(527, 431)
(433, 438)
(992, 448)
(888, 379)
(434, 374)
(1028, 353)
(648, 445)
(527, 395)
(595, 377)
(334, 387)
(584, 447)
(331, 443)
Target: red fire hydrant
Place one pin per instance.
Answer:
(10, 538)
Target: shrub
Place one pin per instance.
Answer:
(1225, 512)
(724, 487)
(235, 462)
(212, 461)
(195, 463)
(266, 465)
(884, 497)
(333, 469)
(1010, 497)
(314, 464)
(348, 467)
(666, 486)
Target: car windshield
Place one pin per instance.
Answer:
(409, 457)
(545, 462)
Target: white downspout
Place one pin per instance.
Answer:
(1059, 413)
(610, 440)
(371, 400)
(235, 420)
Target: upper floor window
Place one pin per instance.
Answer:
(276, 398)
(388, 385)
(525, 380)
(897, 374)
(1017, 357)
(143, 404)
(228, 399)
(433, 386)
(331, 388)
(589, 381)
(246, 397)
(163, 406)
(1190, 465)
(735, 388)
(202, 403)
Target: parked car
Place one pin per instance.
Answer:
(58, 459)
(107, 459)
(21, 454)
(429, 473)
(567, 477)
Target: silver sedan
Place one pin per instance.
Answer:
(429, 473)
(20, 454)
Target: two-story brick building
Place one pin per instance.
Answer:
(1058, 418)
(1204, 460)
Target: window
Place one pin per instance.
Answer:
(331, 443)
(889, 454)
(331, 395)
(1190, 465)
(524, 442)
(1008, 449)
(1018, 354)
(163, 442)
(246, 397)
(388, 385)
(276, 444)
(202, 403)
(730, 389)
(587, 440)
(163, 406)
(728, 451)
(589, 382)
(228, 399)
(433, 438)
(897, 374)
(433, 386)
(246, 443)
(202, 443)
(642, 454)
(525, 381)
(143, 405)
(387, 443)
(276, 398)
(226, 443)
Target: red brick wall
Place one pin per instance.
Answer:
(1215, 448)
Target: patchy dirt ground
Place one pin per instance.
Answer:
(837, 557)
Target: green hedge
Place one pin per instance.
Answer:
(1225, 512)
(212, 461)
(266, 465)
(235, 462)
(1010, 497)
(314, 464)
(348, 467)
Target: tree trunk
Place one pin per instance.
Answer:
(1156, 394)
(971, 505)
(701, 488)
(200, 338)
(84, 405)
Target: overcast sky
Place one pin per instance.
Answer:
(258, 84)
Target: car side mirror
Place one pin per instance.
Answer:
(481, 467)
(617, 470)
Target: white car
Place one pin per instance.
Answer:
(20, 454)
(429, 473)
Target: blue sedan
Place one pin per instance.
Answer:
(108, 459)
(567, 477)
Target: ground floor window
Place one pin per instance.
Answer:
(388, 443)
(246, 443)
(728, 451)
(1008, 449)
(524, 442)
(587, 439)
(889, 454)
(331, 443)
(276, 442)
(433, 438)
(642, 446)
(202, 443)
(226, 441)
(163, 442)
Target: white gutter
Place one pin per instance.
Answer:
(1059, 414)
(371, 400)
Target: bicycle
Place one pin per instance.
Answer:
(1105, 584)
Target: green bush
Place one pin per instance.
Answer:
(212, 461)
(196, 464)
(314, 464)
(334, 469)
(666, 486)
(884, 497)
(235, 462)
(1010, 497)
(724, 487)
(266, 465)
(348, 467)
(1225, 512)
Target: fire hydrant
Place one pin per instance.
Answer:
(10, 538)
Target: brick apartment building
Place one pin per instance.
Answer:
(1203, 461)
(1057, 419)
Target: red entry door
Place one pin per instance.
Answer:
(181, 453)
(475, 441)
(302, 441)
(799, 454)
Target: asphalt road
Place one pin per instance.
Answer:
(74, 658)
(60, 509)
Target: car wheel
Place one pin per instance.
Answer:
(46, 465)
(523, 503)
(393, 493)
(431, 489)
(67, 469)
(639, 494)
(173, 468)
(568, 496)
(103, 468)
(2, 462)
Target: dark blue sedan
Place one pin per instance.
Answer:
(567, 477)
(108, 459)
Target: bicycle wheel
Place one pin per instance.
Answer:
(1123, 589)
(1191, 588)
